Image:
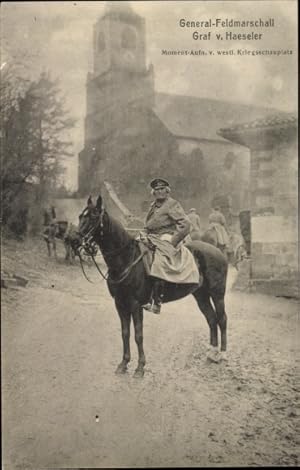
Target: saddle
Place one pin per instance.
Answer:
(148, 255)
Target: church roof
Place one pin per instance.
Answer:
(272, 121)
(262, 132)
(202, 118)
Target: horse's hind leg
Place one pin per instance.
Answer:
(72, 255)
(222, 320)
(67, 251)
(125, 326)
(203, 300)
(138, 329)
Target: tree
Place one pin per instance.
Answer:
(48, 134)
(13, 87)
(34, 140)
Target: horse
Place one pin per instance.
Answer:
(210, 236)
(130, 285)
(237, 251)
(59, 230)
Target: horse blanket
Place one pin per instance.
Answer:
(222, 235)
(172, 264)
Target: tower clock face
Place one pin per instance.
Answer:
(128, 38)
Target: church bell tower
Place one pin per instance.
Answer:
(120, 88)
(119, 39)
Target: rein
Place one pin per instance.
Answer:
(81, 264)
(125, 273)
(87, 241)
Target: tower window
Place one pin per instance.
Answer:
(100, 42)
(128, 39)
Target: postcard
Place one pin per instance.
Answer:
(149, 189)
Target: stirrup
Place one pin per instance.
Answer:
(151, 307)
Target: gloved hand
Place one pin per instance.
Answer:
(183, 227)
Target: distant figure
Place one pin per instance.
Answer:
(70, 234)
(217, 222)
(245, 227)
(49, 216)
(195, 224)
(50, 229)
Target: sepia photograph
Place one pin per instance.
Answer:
(149, 234)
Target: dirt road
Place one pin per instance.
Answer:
(63, 406)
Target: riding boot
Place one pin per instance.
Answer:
(157, 297)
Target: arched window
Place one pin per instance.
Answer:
(128, 39)
(229, 160)
(100, 42)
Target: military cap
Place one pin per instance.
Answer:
(158, 183)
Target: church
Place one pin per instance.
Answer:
(133, 134)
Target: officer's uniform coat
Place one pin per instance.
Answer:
(166, 225)
(168, 218)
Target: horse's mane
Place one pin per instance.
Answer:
(117, 230)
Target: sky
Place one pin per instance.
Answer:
(58, 37)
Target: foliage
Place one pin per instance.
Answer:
(34, 135)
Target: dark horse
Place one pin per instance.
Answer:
(130, 285)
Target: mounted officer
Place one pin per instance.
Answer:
(217, 221)
(166, 225)
(195, 224)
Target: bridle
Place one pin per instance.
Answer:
(89, 246)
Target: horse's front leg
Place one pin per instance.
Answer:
(222, 322)
(67, 251)
(125, 317)
(138, 329)
(49, 249)
(54, 248)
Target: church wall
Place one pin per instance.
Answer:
(274, 223)
(274, 205)
(117, 93)
(209, 177)
(140, 154)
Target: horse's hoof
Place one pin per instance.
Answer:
(121, 369)
(223, 356)
(214, 356)
(138, 373)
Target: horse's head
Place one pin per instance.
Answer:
(91, 217)
(90, 220)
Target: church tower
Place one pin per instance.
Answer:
(120, 95)
(119, 39)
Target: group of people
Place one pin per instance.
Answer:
(216, 221)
